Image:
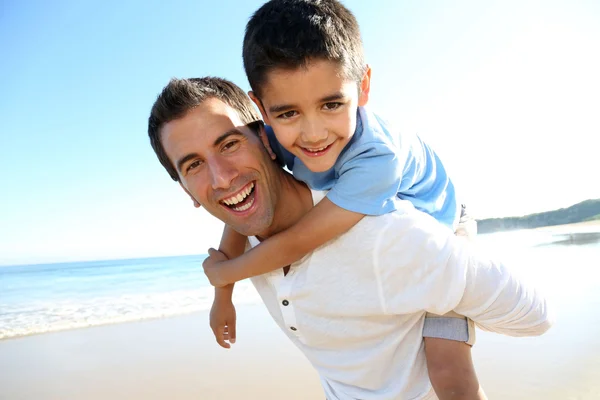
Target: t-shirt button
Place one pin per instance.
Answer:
(285, 302)
(293, 328)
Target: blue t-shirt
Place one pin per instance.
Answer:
(377, 168)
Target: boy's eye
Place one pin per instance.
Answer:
(287, 114)
(332, 106)
(193, 165)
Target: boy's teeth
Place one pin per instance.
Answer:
(317, 150)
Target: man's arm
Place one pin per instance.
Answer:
(438, 272)
(498, 300)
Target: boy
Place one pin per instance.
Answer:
(305, 64)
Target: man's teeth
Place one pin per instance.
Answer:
(240, 196)
(245, 206)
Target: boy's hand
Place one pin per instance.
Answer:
(222, 322)
(215, 268)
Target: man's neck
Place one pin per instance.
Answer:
(293, 202)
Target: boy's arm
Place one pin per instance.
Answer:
(321, 224)
(232, 246)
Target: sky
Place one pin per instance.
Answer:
(506, 92)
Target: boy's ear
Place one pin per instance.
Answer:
(196, 204)
(365, 88)
(260, 106)
(265, 140)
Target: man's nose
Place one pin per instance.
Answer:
(222, 172)
(314, 131)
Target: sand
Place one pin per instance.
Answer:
(172, 358)
(177, 358)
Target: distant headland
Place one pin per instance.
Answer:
(588, 210)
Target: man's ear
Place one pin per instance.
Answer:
(265, 141)
(196, 204)
(260, 106)
(365, 88)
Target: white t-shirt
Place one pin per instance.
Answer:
(356, 306)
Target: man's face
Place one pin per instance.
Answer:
(312, 110)
(224, 166)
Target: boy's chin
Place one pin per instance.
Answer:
(318, 165)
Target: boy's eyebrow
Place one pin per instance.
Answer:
(284, 107)
(218, 141)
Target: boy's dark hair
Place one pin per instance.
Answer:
(182, 95)
(292, 33)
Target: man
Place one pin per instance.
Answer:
(356, 306)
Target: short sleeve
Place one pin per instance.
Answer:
(425, 182)
(368, 179)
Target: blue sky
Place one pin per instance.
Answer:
(505, 91)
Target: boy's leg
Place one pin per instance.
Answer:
(448, 340)
(467, 226)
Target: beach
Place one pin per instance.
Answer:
(171, 358)
(176, 357)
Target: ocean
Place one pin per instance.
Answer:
(36, 299)
(52, 297)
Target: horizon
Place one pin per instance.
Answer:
(505, 92)
(85, 261)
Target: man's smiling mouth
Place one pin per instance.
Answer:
(242, 200)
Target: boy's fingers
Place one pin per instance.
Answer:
(211, 251)
(220, 337)
(231, 327)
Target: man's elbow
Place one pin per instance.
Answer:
(547, 322)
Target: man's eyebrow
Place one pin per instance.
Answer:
(185, 159)
(217, 142)
(222, 137)
(284, 107)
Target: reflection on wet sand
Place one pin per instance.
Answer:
(578, 238)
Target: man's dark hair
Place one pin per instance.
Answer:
(292, 33)
(182, 95)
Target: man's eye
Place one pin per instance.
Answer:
(231, 145)
(332, 106)
(193, 165)
(287, 114)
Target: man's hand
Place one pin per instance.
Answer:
(222, 322)
(216, 267)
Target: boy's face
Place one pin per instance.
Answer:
(312, 110)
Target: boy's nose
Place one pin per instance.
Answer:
(222, 173)
(313, 131)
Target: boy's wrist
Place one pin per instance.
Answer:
(224, 293)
